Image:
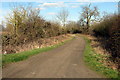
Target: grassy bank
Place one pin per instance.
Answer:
(9, 58)
(92, 59)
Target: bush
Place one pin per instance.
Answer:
(25, 25)
(106, 27)
(109, 28)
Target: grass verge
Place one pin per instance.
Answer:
(92, 59)
(9, 58)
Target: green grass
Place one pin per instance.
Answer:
(9, 58)
(92, 60)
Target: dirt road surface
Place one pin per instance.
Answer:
(65, 61)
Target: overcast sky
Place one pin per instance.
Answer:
(49, 8)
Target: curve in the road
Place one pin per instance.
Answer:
(65, 61)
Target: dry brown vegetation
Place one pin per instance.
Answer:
(108, 35)
(99, 49)
(39, 43)
(25, 26)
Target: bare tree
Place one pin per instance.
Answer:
(63, 16)
(89, 14)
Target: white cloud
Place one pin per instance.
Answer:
(41, 8)
(74, 6)
(58, 4)
(51, 13)
(50, 4)
(61, 4)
